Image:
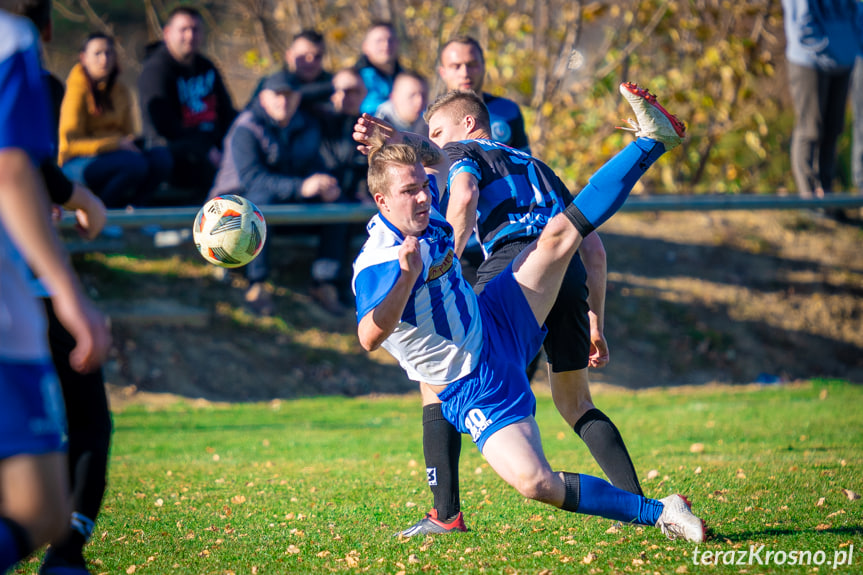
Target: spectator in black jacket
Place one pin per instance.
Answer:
(184, 103)
(272, 156)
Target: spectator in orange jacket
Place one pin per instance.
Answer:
(97, 141)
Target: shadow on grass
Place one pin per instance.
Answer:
(768, 532)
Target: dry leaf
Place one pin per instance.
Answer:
(412, 558)
(159, 502)
(850, 494)
(322, 554)
(292, 549)
(681, 569)
(613, 529)
(589, 558)
(130, 570)
(823, 394)
(237, 499)
(835, 513)
(820, 502)
(822, 527)
(696, 447)
(697, 470)
(254, 570)
(652, 474)
(740, 474)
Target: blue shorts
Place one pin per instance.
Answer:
(32, 414)
(497, 393)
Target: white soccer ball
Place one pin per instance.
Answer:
(229, 231)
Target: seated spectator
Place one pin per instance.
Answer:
(305, 58)
(272, 156)
(378, 66)
(338, 149)
(185, 105)
(96, 135)
(406, 104)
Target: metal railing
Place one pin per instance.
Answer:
(356, 213)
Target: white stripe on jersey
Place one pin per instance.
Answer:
(439, 338)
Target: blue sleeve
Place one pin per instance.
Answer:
(461, 160)
(24, 113)
(372, 285)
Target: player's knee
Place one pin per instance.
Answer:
(537, 487)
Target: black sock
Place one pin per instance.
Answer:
(441, 447)
(572, 495)
(607, 447)
(70, 549)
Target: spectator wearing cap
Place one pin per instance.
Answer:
(305, 58)
(272, 157)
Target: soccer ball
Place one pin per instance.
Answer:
(229, 231)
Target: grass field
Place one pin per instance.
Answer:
(320, 485)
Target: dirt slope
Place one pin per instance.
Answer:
(693, 298)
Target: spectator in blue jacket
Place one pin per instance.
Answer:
(823, 39)
(272, 156)
(379, 65)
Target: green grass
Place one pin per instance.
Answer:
(320, 485)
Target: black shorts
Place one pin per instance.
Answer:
(567, 345)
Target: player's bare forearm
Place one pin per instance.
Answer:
(593, 256)
(377, 325)
(461, 211)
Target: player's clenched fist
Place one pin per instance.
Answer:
(410, 260)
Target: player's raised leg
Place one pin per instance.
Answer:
(539, 268)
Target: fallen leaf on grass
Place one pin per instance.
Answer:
(822, 527)
(130, 570)
(820, 502)
(589, 558)
(835, 513)
(850, 494)
(292, 549)
(740, 474)
(652, 474)
(681, 569)
(696, 447)
(696, 472)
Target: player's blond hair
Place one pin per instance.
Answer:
(381, 157)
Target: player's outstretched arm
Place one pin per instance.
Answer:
(592, 253)
(379, 323)
(25, 214)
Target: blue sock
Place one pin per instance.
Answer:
(599, 497)
(14, 543)
(609, 187)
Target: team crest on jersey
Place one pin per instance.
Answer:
(443, 267)
(501, 131)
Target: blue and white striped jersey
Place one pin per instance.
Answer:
(439, 338)
(24, 126)
(518, 193)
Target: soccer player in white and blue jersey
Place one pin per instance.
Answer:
(413, 300)
(33, 485)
